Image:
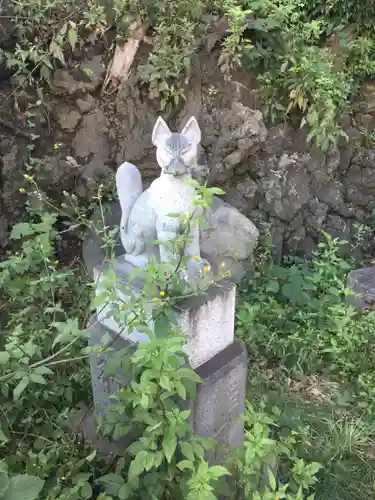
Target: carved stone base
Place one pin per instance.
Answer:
(216, 412)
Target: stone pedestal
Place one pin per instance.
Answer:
(216, 412)
(207, 320)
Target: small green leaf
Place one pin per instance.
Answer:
(187, 450)
(217, 471)
(37, 379)
(4, 357)
(174, 215)
(72, 37)
(314, 467)
(120, 430)
(272, 480)
(149, 462)
(91, 457)
(124, 492)
(112, 478)
(43, 370)
(86, 491)
(24, 487)
(21, 230)
(181, 391)
(169, 444)
(22, 384)
(3, 438)
(165, 383)
(198, 450)
(185, 464)
(189, 374)
(4, 483)
(215, 190)
(137, 466)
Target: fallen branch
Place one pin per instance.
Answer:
(119, 68)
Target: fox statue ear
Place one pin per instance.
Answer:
(160, 133)
(192, 132)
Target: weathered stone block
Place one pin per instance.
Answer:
(216, 412)
(220, 399)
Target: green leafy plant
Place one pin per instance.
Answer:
(312, 364)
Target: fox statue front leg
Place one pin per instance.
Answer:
(167, 230)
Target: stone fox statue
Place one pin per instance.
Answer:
(145, 214)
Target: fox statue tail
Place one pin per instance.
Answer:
(129, 189)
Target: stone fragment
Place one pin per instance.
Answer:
(82, 80)
(87, 104)
(68, 119)
(237, 134)
(71, 82)
(91, 137)
(286, 188)
(229, 238)
(362, 283)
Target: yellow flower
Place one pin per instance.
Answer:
(196, 257)
(22, 190)
(206, 269)
(57, 262)
(155, 299)
(57, 146)
(162, 294)
(188, 214)
(28, 177)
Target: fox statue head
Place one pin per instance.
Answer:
(176, 153)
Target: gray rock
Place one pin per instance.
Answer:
(68, 119)
(367, 98)
(55, 171)
(362, 283)
(238, 134)
(244, 195)
(86, 104)
(71, 82)
(91, 137)
(329, 192)
(315, 214)
(230, 238)
(339, 228)
(134, 123)
(286, 189)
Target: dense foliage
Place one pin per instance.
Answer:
(309, 422)
(310, 57)
(312, 364)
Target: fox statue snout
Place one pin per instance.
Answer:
(176, 167)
